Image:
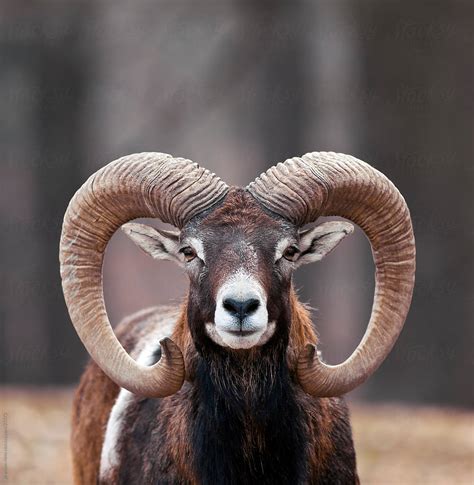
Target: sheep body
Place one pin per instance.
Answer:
(239, 394)
(207, 433)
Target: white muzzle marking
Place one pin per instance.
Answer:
(250, 330)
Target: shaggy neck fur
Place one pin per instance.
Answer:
(248, 426)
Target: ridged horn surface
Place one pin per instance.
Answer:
(334, 184)
(141, 185)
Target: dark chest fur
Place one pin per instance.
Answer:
(248, 426)
(245, 423)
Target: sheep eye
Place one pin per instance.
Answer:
(188, 253)
(291, 253)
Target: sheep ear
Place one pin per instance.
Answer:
(318, 241)
(159, 244)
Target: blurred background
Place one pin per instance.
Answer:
(239, 86)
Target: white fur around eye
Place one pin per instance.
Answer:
(281, 247)
(198, 247)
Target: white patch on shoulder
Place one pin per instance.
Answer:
(109, 459)
(143, 353)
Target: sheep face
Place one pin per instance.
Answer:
(240, 259)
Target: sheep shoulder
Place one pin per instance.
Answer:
(96, 394)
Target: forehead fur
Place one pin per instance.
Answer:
(240, 210)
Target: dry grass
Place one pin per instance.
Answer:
(412, 445)
(395, 444)
(37, 432)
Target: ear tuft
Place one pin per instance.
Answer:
(317, 242)
(132, 227)
(159, 244)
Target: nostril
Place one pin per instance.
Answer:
(232, 306)
(241, 308)
(251, 306)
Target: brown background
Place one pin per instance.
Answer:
(238, 86)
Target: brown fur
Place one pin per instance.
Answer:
(157, 433)
(93, 400)
(91, 411)
(96, 396)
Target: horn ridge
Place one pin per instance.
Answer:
(335, 184)
(140, 185)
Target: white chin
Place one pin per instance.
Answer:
(234, 341)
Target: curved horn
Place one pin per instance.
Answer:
(141, 185)
(332, 184)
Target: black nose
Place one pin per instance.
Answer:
(241, 309)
